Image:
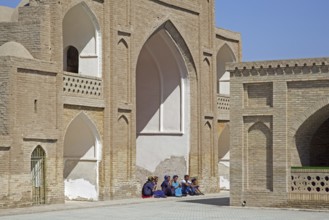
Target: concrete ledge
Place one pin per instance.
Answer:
(97, 103)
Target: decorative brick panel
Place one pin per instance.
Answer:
(85, 86)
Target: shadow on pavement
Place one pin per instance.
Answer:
(212, 201)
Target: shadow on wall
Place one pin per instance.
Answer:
(216, 201)
(158, 81)
(307, 140)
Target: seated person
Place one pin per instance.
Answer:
(155, 181)
(195, 187)
(186, 186)
(157, 193)
(166, 186)
(177, 189)
(148, 187)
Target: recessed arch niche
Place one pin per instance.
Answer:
(224, 55)
(163, 103)
(81, 30)
(82, 154)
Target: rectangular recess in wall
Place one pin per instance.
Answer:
(258, 95)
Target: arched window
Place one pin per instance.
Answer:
(72, 60)
(38, 175)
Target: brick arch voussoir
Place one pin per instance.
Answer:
(313, 109)
(178, 39)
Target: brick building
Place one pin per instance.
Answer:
(279, 141)
(96, 95)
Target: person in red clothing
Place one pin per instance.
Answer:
(148, 187)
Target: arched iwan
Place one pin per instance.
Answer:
(163, 101)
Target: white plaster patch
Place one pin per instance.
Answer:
(159, 148)
(224, 183)
(80, 189)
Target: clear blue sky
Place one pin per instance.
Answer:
(277, 29)
(272, 29)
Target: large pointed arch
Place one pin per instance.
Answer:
(82, 154)
(166, 84)
(179, 41)
(81, 30)
(307, 127)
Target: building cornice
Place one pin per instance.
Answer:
(279, 67)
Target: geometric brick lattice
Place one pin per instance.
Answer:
(223, 102)
(310, 181)
(82, 85)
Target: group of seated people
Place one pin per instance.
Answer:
(170, 187)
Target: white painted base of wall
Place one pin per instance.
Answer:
(224, 183)
(80, 189)
(224, 173)
(152, 150)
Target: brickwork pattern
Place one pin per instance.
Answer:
(39, 100)
(299, 106)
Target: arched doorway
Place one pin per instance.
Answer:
(82, 154)
(38, 157)
(163, 107)
(81, 31)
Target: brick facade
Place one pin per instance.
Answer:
(279, 112)
(39, 100)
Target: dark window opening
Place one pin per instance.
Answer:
(72, 60)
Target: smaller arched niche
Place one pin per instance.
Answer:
(224, 55)
(260, 158)
(82, 154)
(81, 33)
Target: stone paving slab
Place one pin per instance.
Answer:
(192, 208)
(72, 205)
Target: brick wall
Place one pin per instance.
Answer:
(40, 111)
(284, 102)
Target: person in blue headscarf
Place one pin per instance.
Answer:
(166, 186)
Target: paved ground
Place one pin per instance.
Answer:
(191, 208)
